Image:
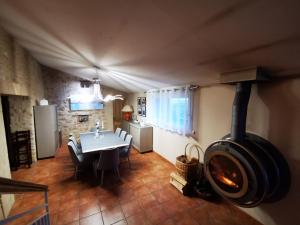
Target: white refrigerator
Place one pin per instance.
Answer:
(46, 130)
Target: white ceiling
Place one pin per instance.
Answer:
(144, 44)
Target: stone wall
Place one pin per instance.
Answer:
(21, 107)
(59, 86)
(21, 79)
(7, 200)
(11, 82)
(21, 116)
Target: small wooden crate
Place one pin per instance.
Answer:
(179, 183)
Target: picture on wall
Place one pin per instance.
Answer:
(141, 106)
(76, 105)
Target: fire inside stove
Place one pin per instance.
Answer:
(226, 174)
(227, 181)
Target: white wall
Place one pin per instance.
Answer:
(167, 144)
(7, 200)
(273, 113)
(132, 100)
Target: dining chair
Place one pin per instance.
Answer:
(124, 152)
(123, 134)
(77, 159)
(108, 160)
(118, 131)
(77, 145)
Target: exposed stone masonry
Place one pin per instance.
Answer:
(59, 86)
(21, 79)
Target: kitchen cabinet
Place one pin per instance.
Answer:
(142, 137)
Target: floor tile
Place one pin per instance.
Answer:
(163, 195)
(73, 223)
(141, 191)
(68, 204)
(122, 222)
(112, 215)
(154, 186)
(200, 214)
(68, 216)
(172, 208)
(220, 214)
(126, 196)
(88, 209)
(87, 198)
(137, 219)
(108, 202)
(185, 219)
(131, 208)
(95, 219)
(148, 201)
(168, 222)
(144, 196)
(53, 218)
(156, 215)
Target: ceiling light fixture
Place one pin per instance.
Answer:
(97, 90)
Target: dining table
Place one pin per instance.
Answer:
(93, 142)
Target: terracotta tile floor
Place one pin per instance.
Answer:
(143, 196)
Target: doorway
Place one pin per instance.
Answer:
(6, 118)
(117, 114)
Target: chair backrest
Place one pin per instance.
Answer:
(109, 159)
(73, 139)
(72, 151)
(118, 131)
(128, 140)
(123, 134)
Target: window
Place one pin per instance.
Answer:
(171, 109)
(179, 106)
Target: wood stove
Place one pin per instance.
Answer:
(243, 167)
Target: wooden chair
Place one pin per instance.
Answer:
(108, 160)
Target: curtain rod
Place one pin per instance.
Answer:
(191, 87)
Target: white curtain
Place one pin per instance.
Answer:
(171, 109)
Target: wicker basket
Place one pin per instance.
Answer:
(186, 166)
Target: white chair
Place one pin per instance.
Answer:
(76, 144)
(123, 134)
(125, 151)
(118, 131)
(78, 159)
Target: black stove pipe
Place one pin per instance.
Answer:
(239, 111)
